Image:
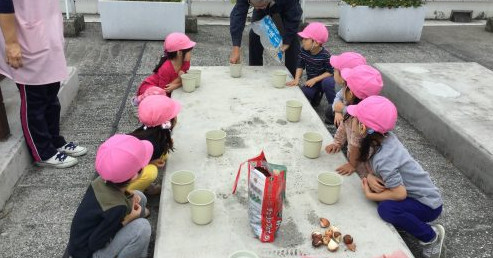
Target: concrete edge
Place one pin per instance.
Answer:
(18, 157)
(473, 160)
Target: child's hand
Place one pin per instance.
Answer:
(366, 187)
(332, 148)
(376, 184)
(134, 214)
(171, 87)
(338, 119)
(346, 169)
(158, 162)
(293, 83)
(310, 82)
(180, 73)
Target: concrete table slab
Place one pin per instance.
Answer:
(252, 112)
(451, 103)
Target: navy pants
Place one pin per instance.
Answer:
(40, 119)
(315, 93)
(411, 216)
(256, 50)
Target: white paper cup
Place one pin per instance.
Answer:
(215, 140)
(329, 187)
(182, 183)
(202, 203)
(235, 70)
(188, 82)
(279, 78)
(243, 254)
(312, 143)
(293, 110)
(197, 73)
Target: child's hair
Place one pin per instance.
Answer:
(118, 185)
(369, 142)
(161, 136)
(170, 56)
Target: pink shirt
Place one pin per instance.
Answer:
(165, 74)
(40, 35)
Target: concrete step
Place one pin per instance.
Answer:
(14, 154)
(451, 104)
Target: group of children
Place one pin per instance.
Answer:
(110, 221)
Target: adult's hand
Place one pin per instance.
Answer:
(235, 57)
(13, 55)
(284, 47)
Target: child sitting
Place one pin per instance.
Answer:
(109, 221)
(157, 113)
(358, 83)
(175, 62)
(407, 197)
(315, 59)
(339, 62)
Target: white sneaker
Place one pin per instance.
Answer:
(73, 149)
(59, 160)
(433, 249)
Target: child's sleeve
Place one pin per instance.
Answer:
(108, 228)
(328, 68)
(389, 171)
(355, 138)
(164, 75)
(338, 98)
(301, 62)
(340, 137)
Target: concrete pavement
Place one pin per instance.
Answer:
(36, 220)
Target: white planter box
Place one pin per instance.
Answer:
(141, 20)
(364, 24)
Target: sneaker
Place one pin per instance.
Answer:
(73, 149)
(433, 249)
(59, 160)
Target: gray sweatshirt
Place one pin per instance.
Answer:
(395, 166)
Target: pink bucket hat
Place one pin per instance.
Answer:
(347, 60)
(363, 80)
(156, 110)
(121, 157)
(177, 41)
(154, 90)
(375, 112)
(315, 31)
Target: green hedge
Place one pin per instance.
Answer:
(385, 3)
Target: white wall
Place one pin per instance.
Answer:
(436, 9)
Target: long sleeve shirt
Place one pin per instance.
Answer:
(98, 218)
(315, 65)
(289, 10)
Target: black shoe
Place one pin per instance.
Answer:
(316, 99)
(329, 115)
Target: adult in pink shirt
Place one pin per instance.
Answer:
(32, 40)
(175, 62)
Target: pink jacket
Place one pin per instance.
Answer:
(40, 35)
(165, 75)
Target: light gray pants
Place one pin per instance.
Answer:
(132, 240)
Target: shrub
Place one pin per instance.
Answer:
(385, 3)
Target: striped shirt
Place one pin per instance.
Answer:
(315, 65)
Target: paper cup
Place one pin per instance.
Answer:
(329, 187)
(197, 73)
(182, 183)
(215, 140)
(293, 110)
(243, 254)
(202, 203)
(279, 78)
(312, 143)
(235, 70)
(188, 82)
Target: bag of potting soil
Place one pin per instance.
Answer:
(269, 37)
(266, 192)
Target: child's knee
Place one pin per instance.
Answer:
(328, 82)
(143, 229)
(386, 210)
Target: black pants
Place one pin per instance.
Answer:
(40, 119)
(256, 49)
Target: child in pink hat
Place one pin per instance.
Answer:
(157, 113)
(109, 221)
(314, 58)
(362, 81)
(339, 62)
(407, 197)
(175, 62)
